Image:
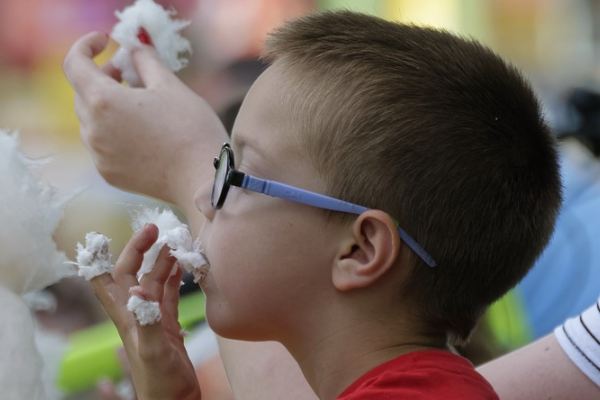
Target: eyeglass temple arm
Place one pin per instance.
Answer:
(283, 191)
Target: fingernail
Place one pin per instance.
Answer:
(144, 37)
(139, 292)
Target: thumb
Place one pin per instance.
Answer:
(150, 68)
(79, 66)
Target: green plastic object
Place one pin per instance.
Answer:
(509, 323)
(92, 353)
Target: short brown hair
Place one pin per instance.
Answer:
(436, 130)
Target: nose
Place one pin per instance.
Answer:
(202, 200)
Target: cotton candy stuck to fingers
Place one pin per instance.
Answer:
(30, 213)
(164, 32)
(94, 259)
(146, 312)
(172, 232)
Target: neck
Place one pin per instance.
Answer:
(333, 359)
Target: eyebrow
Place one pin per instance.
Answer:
(238, 142)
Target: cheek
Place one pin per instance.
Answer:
(249, 259)
(260, 270)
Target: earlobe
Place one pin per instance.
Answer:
(371, 251)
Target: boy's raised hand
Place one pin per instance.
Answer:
(158, 139)
(160, 366)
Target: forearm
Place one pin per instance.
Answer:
(188, 173)
(179, 156)
(540, 370)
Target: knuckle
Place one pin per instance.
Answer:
(98, 101)
(93, 138)
(151, 354)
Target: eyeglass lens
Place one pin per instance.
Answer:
(220, 175)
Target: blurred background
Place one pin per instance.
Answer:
(556, 43)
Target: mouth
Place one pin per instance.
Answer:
(202, 267)
(200, 272)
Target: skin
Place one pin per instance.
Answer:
(169, 158)
(540, 370)
(294, 274)
(136, 137)
(152, 350)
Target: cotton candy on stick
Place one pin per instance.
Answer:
(146, 22)
(29, 261)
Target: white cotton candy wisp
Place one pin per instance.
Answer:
(93, 259)
(163, 29)
(146, 312)
(29, 261)
(174, 234)
(20, 370)
(29, 215)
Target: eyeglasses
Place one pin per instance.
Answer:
(226, 176)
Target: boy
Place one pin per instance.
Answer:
(450, 189)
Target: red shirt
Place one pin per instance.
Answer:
(431, 374)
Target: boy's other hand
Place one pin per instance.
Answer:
(159, 364)
(157, 139)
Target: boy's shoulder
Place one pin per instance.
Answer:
(429, 374)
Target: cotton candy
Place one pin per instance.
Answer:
(29, 215)
(93, 259)
(29, 261)
(146, 312)
(164, 32)
(174, 234)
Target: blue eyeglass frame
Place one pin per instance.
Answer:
(232, 177)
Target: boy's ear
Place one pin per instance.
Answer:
(371, 251)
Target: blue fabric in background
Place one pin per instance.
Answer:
(566, 279)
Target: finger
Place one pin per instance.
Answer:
(81, 111)
(110, 70)
(150, 331)
(83, 115)
(150, 68)
(114, 302)
(79, 66)
(171, 295)
(132, 256)
(154, 281)
(109, 294)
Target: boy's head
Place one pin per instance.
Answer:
(438, 132)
